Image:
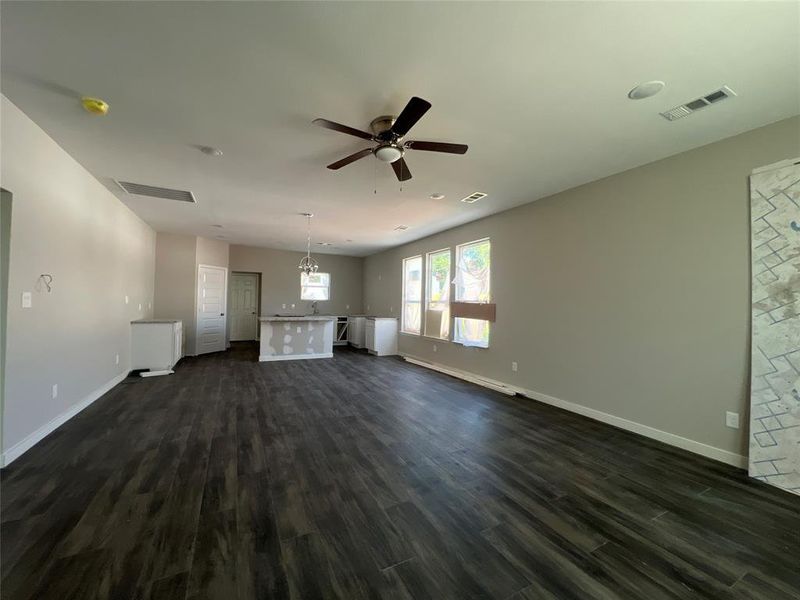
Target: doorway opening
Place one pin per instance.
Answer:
(245, 302)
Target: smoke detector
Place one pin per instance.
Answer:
(688, 108)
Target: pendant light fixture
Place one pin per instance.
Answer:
(307, 264)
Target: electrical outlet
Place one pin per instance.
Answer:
(284, 306)
(27, 300)
(514, 366)
(140, 307)
(116, 359)
(292, 305)
(379, 276)
(126, 299)
(55, 390)
(434, 348)
(299, 329)
(732, 420)
(347, 307)
(391, 310)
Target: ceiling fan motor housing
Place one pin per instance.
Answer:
(382, 128)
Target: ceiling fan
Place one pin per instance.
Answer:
(388, 131)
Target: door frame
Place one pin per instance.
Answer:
(197, 306)
(258, 301)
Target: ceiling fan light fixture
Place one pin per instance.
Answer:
(388, 153)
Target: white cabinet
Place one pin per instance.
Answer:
(380, 335)
(355, 331)
(156, 344)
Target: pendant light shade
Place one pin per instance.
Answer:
(307, 264)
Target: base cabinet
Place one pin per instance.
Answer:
(380, 335)
(355, 331)
(156, 344)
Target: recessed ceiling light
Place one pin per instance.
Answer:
(646, 89)
(437, 196)
(210, 150)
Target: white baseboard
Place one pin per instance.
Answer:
(34, 438)
(271, 357)
(493, 384)
(725, 456)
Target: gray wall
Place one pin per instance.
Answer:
(628, 295)
(177, 259)
(280, 279)
(67, 224)
(175, 282)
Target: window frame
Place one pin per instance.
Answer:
(403, 300)
(458, 250)
(426, 293)
(326, 287)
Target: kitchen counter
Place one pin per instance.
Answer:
(296, 337)
(156, 321)
(291, 318)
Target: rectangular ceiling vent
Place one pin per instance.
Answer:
(401, 228)
(686, 109)
(474, 197)
(140, 189)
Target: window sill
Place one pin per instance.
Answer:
(437, 339)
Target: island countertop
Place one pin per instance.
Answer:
(296, 318)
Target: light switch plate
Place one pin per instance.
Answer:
(27, 300)
(140, 307)
(55, 390)
(126, 299)
(116, 359)
(732, 420)
(514, 366)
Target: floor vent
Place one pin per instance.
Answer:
(474, 197)
(140, 189)
(684, 110)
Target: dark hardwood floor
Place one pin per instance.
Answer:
(360, 477)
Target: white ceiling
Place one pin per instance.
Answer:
(538, 91)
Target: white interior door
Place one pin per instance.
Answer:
(211, 300)
(244, 306)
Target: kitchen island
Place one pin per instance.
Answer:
(296, 337)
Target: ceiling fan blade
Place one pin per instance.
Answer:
(348, 159)
(437, 147)
(412, 113)
(401, 169)
(342, 128)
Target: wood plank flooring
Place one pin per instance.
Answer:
(362, 477)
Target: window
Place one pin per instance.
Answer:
(315, 286)
(412, 294)
(437, 290)
(473, 262)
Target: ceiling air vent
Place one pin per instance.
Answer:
(473, 197)
(401, 228)
(140, 189)
(686, 109)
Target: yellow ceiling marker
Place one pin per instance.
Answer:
(96, 106)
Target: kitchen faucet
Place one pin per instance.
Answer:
(314, 308)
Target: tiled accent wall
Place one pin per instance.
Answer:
(775, 371)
